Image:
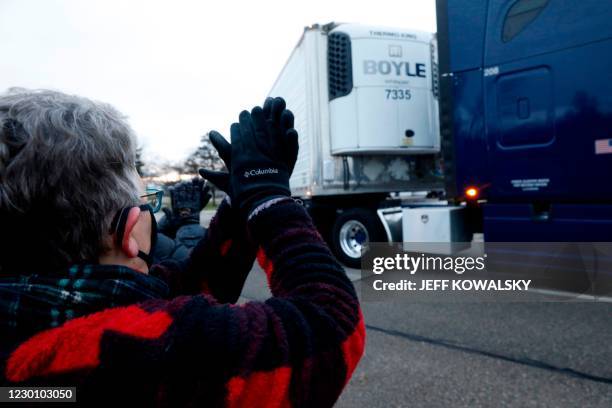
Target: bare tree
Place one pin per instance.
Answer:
(205, 156)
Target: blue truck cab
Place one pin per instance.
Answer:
(526, 115)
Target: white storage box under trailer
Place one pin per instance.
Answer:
(366, 108)
(439, 223)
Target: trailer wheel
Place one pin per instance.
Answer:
(353, 230)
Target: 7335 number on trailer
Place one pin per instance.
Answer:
(398, 94)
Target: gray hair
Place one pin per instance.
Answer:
(67, 165)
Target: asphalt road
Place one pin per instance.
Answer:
(479, 355)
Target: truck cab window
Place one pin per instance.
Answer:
(520, 15)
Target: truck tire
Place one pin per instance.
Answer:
(354, 229)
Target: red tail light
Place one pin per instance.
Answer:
(472, 193)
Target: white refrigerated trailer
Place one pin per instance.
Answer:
(365, 101)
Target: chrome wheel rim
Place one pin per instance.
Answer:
(353, 238)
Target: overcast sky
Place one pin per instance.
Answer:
(177, 69)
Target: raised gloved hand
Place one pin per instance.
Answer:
(261, 156)
(187, 198)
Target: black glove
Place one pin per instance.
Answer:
(279, 122)
(187, 198)
(261, 157)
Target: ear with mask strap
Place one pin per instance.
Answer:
(118, 228)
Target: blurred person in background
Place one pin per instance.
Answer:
(82, 304)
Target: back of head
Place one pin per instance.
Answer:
(66, 166)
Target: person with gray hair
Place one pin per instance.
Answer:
(83, 305)
(66, 166)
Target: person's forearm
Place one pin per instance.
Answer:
(302, 270)
(291, 250)
(220, 263)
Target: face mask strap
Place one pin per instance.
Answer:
(148, 258)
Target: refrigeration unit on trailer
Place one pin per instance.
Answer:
(365, 106)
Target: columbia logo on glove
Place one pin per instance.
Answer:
(259, 172)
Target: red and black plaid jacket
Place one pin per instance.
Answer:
(298, 348)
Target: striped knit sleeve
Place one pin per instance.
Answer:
(312, 331)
